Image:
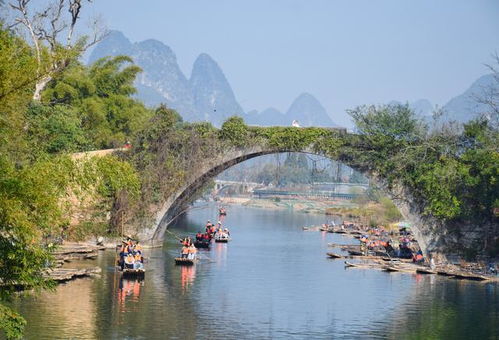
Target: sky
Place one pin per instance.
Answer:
(345, 53)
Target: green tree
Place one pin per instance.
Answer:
(99, 97)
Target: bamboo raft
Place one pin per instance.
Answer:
(133, 272)
(184, 261)
(391, 269)
(471, 276)
(445, 273)
(202, 244)
(425, 271)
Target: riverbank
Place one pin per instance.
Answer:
(463, 270)
(301, 205)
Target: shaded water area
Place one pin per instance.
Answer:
(272, 280)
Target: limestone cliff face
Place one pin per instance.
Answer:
(307, 110)
(161, 80)
(213, 97)
(207, 95)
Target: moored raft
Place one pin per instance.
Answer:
(445, 273)
(471, 276)
(350, 264)
(391, 269)
(425, 271)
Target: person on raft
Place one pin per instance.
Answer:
(199, 236)
(191, 251)
(185, 252)
(418, 257)
(186, 241)
(137, 264)
(129, 261)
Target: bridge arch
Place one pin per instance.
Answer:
(154, 235)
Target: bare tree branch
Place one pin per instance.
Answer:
(45, 28)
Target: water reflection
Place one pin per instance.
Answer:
(129, 288)
(187, 276)
(443, 308)
(271, 281)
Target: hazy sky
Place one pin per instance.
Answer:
(345, 53)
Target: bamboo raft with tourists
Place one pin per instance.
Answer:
(130, 259)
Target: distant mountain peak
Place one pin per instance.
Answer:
(207, 95)
(213, 96)
(306, 96)
(156, 45)
(206, 66)
(467, 106)
(115, 43)
(308, 111)
(205, 58)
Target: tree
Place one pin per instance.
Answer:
(53, 35)
(98, 100)
(490, 96)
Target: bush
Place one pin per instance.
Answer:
(235, 131)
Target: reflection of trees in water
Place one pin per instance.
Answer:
(443, 308)
(70, 308)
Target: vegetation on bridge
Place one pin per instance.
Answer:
(452, 174)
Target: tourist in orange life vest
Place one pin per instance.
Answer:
(186, 241)
(191, 252)
(138, 247)
(185, 251)
(138, 262)
(418, 258)
(199, 236)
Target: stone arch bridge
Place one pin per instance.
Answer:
(330, 143)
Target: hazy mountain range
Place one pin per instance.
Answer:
(208, 96)
(461, 108)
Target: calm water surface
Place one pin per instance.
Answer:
(271, 281)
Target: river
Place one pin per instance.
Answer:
(272, 280)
